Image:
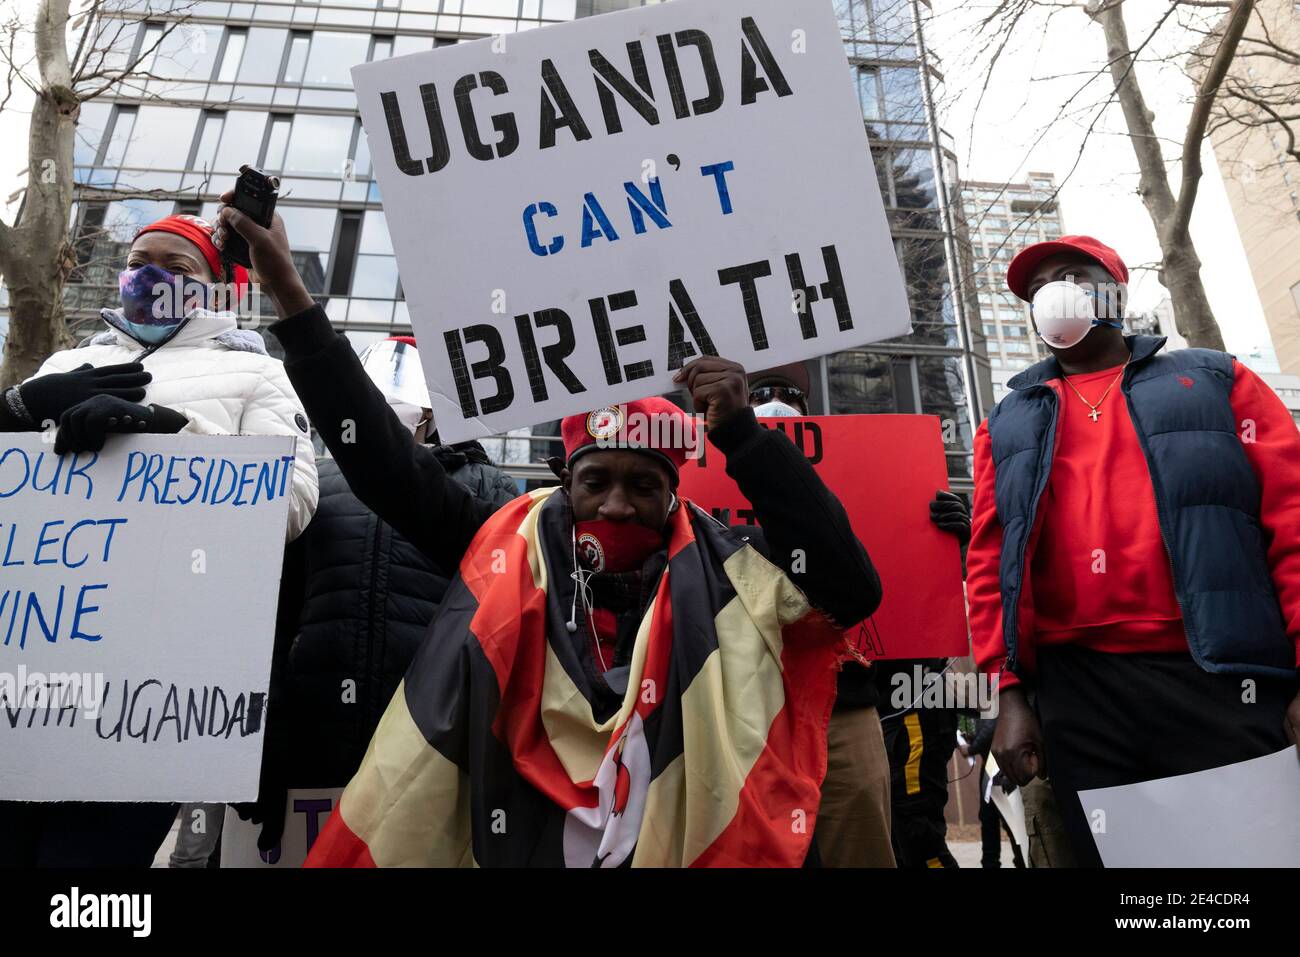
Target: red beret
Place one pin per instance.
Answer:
(199, 232)
(1022, 267)
(652, 425)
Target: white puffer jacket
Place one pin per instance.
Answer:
(223, 381)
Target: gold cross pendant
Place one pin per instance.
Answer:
(1093, 415)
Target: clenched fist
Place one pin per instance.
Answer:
(719, 388)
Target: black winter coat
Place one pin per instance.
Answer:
(367, 596)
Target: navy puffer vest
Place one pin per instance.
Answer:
(1207, 499)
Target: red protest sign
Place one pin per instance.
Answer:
(885, 469)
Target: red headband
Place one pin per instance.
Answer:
(199, 232)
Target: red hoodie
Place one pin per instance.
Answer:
(1098, 573)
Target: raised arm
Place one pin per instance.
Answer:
(807, 530)
(399, 481)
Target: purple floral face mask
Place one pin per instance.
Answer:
(155, 302)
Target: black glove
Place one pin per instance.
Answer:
(84, 427)
(268, 810)
(48, 397)
(950, 513)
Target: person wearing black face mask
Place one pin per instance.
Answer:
(1136, 542)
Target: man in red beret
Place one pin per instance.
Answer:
(613, 678)
(1135, 562)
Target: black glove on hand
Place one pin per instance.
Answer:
(950, 513)
(48, 397)
(84, 427)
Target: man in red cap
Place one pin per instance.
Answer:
(1134, 569)
(613, 677)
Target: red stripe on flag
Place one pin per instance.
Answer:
(778, 805)
(337, 846)
(510, 626)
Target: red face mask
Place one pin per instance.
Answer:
(605, 546)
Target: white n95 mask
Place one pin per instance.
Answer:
(775, 409)
(1064, 313)
(411, 416)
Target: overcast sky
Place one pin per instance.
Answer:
(1098, 199)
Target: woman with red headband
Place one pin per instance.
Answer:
(172, 359)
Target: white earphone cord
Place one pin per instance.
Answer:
(580, 576)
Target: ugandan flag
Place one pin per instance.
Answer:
(489, 754)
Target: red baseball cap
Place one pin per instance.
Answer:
(199, 232)
(1022, 267)
(653, 425)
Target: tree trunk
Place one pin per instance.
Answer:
(1180, 271)
(36, 325)
(35, 254)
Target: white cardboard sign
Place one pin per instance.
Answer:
(138, 588)
(1239, 815)
(306, 811)
(579, 210)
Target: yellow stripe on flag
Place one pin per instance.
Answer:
(407, 802)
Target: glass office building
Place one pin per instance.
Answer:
(269, 84)
(1002, 219)
(941, 368)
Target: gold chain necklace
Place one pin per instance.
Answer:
(1096, 409)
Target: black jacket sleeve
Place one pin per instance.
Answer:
(401, 482)
(10, 422)
(805, 525)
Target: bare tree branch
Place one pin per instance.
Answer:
(1192, 140)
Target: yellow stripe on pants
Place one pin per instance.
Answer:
(912, 773)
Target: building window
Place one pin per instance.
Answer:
(869, 93)
(161, 138)
(236, 40)
(277, 139)
(204, 155)
(179, 51)
(241, 140)
(345, 254)
(295, 60)
(117, 137)
(331, 58)
(901, 94)
(311, 231)
(317, 145)
(375, 275)
(264, 52)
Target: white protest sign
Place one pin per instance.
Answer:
(1010, 806)
(1240, 815)
(138, 588)
(579, 210)
(306, 811)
